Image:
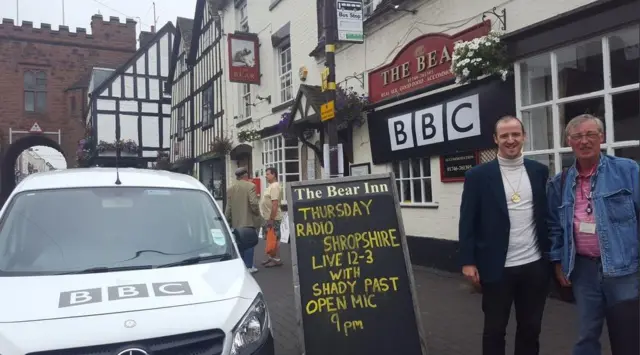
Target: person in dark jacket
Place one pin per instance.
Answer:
(504, 238)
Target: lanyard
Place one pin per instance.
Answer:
(594, 178)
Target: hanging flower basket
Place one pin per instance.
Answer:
(221, 145)
(481, 56)
(84, 151)
(249, 135)
(126, 146)
(162, 161)
(350, 107)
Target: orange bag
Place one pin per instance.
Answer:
(272, 240)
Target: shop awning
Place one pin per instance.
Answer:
(239, 150)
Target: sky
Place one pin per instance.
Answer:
(77, 13)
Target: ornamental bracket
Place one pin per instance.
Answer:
(502, 18)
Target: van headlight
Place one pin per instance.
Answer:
(252, 329)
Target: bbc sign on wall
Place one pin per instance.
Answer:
(461, 119)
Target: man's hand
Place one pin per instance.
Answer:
(471, 273)
(270, 223)
(560, 276)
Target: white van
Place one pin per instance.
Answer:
(130, 262)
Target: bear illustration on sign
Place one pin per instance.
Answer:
(243, 55)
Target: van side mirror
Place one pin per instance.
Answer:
(245, 237)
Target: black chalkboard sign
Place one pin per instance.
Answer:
(352, 275)
(454, 166)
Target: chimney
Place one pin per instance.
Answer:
(145, 37)
(153, 29)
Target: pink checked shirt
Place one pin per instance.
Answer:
(586, 244)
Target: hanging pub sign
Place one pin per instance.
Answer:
(423, 62)
(244, 58)
(454, 166)
(349, 22)
(460, 119)
(352, 275)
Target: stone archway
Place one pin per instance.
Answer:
(7, 178)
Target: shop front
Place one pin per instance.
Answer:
(429, 144)
(583, 61)
(429, 131)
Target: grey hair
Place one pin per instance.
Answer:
(578, 120)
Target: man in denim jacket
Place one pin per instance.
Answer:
(593, 225)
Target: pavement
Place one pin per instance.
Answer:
(450, 310)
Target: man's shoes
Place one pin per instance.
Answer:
(273, 263)
(253, 270)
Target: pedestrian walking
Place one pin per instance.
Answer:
(271, 214)
(593, 220)
(242, 209)
(503, 238)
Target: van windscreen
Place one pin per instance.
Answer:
(68, 230)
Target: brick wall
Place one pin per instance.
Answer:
(67, 58)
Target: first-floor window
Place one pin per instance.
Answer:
(284, 155)
(413, 180)
(35, 91)
(245, 100)
(181, 122)
(207, 106)
(285, 73)
(590, 77)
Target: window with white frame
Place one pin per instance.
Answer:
(593, 76)
(285, 73)
(413, 180)
(369, 6)
(245, 100)
(243, 17)
(284, 155)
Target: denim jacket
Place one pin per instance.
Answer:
(616, 202)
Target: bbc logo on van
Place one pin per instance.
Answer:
(460, 118)
(121, 292)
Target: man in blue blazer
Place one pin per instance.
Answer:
(504, 238)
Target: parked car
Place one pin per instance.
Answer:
(125, 261)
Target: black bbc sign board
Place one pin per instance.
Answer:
(353, 280)
(460, 119)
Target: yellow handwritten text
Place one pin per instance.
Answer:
(345, 274)
(363, 301)
(346, 326)
(314, 229)
(333, 288)
(331, 260)
(364, 240)
(340, 210)
(380, 284)
(326, 304)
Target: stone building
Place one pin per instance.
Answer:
(44, 77)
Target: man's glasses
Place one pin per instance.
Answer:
(589, 135)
